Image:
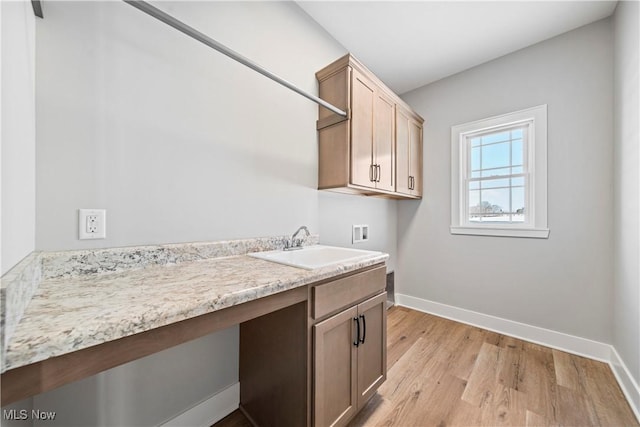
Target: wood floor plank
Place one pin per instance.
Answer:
(433, 410)
(464, 414)
(393, 393)
(508, 407)
(568, 371)
(400, 339)
(234, 419)
(537, 420)
(605, 393)
(374, 412)
(416, 363)
(537, 380)
(574, 408)
(494, 366)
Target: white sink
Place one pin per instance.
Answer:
(316, 256)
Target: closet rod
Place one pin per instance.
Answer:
(195, 34)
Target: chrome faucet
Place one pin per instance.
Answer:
(294, 243)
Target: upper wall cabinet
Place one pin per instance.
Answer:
(377, 148)
(408, 152)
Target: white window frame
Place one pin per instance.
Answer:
(535, 154)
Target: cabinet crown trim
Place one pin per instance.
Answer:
(349, 60)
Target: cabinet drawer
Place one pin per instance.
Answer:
(333, 296)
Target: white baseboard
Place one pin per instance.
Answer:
(546, 337)
(628, 385)
(210, 411)
(569, 343)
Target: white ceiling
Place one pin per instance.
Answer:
(408, 44)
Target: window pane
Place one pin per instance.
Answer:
(496, 155)
(496, 172)
(493, 183)
(475, 142)
(493, 206)
(517, 133)
(517, 204)
(517, 169)
(474, 198)
(475, 158)
(516, 152)
(474, 185)
(519, 181)
(495, 137)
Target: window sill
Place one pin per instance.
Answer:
(537, 233)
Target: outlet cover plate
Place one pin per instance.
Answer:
(360, 233)
(92, 224)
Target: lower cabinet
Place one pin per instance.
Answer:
(316, 362)
(350, 360)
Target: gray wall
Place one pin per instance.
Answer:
(179, 143)
(18, 164)
(626, 291)
(562, 283)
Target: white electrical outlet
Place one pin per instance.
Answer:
(360, 233)
(92, 224)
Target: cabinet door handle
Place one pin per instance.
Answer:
(378, 173)
(357, 341)
(371, 173)
(364, 329)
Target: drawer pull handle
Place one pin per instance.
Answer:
(357, 341)
(364, 329)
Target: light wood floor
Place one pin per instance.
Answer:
(444, 373)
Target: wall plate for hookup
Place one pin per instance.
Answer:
(360, 233)
(92, 224)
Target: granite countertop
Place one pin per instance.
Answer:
(66, 314)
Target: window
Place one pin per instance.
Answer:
(499, 175)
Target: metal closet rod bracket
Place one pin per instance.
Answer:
(203, 38)
(37, 8)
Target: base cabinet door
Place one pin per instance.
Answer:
(372, 349)
(350, 351)
(335, 374)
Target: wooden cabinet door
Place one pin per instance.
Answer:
(408, 154)
(335, 374)
(384, 147)
(415, 156)
(403, 139)
(362, 118)
(372, 353)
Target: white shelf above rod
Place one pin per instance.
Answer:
(203, 38)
